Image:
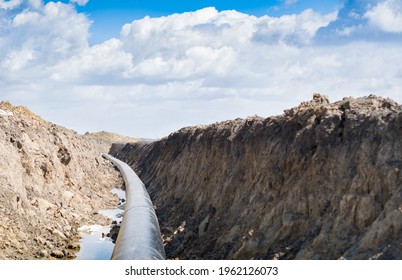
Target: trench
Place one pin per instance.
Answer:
(95, 244)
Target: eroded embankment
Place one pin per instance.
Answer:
(321, 181)
(52, 181)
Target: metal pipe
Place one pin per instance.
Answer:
(139, 236)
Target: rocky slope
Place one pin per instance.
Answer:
(52, 181)
(321, 181)
(104, 139)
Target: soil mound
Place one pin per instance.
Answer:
(52, 181)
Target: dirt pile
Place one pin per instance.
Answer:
(52, 181)
(321, 181)
(105, 139)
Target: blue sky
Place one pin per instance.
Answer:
(148, 68)
(109, 16)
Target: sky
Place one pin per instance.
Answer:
(147, 68)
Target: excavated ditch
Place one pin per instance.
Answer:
(321, 181)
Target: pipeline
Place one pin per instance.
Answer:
(139, 237)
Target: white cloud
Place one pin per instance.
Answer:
(290, 2)
(208, 45)
(35, 40)
(9, 4)
(191, 68)
(100, 64)
(346, 31)
(18, 59)
(386, 16)
(294, 29)
(80, 2)
(36, 4)
(174, 34)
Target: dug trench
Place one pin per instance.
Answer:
(321, 181)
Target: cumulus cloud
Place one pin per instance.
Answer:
(208, 45)
(164, 73)
(371, 20)
(386, 16)
(100, 64)
(35, 4)
(35, 40)
(9, 4)
(294, 29)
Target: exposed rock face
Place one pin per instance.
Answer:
(52, 181)
(321, 181)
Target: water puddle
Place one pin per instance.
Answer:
(120, 193)
(95, 245)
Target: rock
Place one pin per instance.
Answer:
(64, 155)
(49, 245)
(75, 247)
(5, 113)
(114, 232)
(58, 233)
(70, 255)
(44, 204)
(68, 228)
(57, 254)
(320, 99)
(321, 181)
(67, 196)
(40, 240)
(43, 254)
